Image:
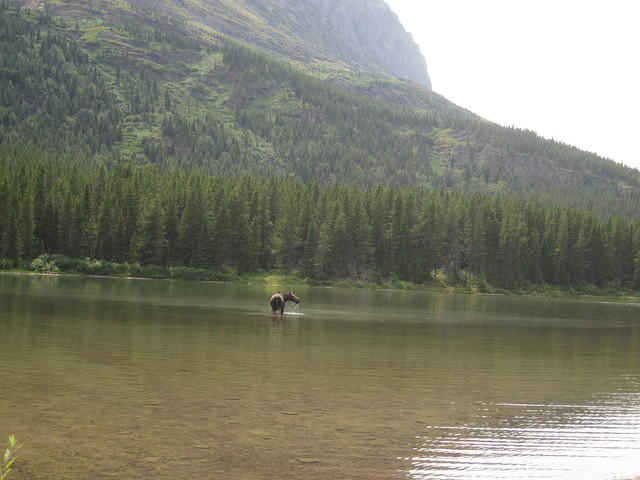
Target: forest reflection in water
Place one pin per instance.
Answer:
(141, 378)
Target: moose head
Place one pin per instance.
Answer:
(291, 297)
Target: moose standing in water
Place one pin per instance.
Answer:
(278, 300)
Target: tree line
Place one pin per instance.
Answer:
(246, 113)
(152, 216)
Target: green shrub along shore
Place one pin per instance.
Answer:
(56, 264)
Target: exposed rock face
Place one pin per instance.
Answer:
(362, 35)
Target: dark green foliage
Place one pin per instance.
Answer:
(213, 157)
(153, 93)
(180, 225)
(50, 93)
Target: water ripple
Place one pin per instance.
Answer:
(543, 441)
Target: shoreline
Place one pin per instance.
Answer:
(279, 279)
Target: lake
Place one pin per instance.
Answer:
(140, 379)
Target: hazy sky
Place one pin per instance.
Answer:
(567, 69)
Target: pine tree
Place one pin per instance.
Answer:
(150, 241)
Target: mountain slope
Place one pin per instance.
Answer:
(326, 35)
(124, 82)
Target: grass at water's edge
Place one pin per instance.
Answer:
(60, 265)
(9, 457)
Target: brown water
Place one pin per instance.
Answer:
(109, 378)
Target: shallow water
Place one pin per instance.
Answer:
(106, 378)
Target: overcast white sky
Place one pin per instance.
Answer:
(567, 69)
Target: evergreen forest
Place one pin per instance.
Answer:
(171, 218)
(131, 142)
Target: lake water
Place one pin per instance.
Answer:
(113, 378)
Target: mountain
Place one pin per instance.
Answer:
(141, 136)
(327, 35)
(222, 87)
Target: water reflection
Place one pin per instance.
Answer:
(538, 441)
(173, 379)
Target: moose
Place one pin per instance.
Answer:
(278, 300)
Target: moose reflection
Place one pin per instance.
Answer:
(278, 300)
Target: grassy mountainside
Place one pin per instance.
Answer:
(115, 80)
(326, 35)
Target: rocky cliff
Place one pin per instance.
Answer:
(362, 33)
(329, 35)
